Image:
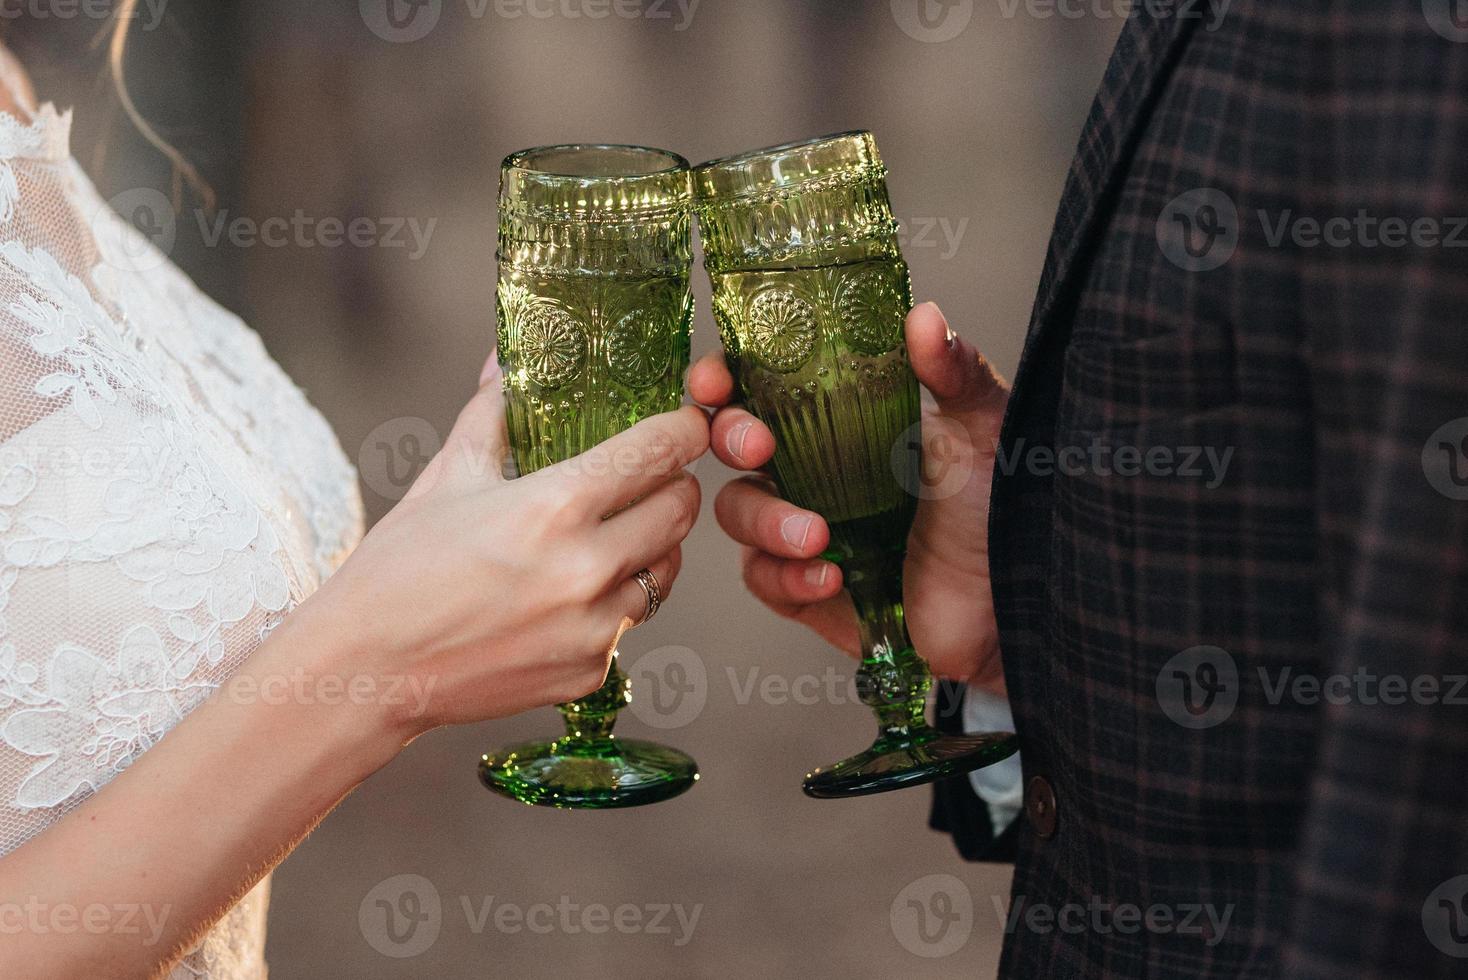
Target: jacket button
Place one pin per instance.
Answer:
(1040, 807)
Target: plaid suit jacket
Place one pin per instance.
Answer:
(1200, 662)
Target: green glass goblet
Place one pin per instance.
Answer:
(810, 292)
(594, 311)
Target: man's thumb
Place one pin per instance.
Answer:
(962, 381)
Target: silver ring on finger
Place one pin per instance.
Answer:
(653, 591)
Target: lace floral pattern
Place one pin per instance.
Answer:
(167, 495)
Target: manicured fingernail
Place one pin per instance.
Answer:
(735, 439)
(795, 529)
(950, 336)
(815, 575)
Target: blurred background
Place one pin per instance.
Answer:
(398, 112)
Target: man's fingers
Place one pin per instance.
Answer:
(808, 592)
(709, 381)
(787, 584)
(752, 515)
(740, 440)
(962, 380)
(633, 463)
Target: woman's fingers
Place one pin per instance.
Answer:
(751, 514)
(476, 447)
(612, 474)
(626, 604)
(653, 526)
(709, 381)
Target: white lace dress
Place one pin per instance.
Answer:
(167, 495)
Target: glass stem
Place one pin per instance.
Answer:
(892, 680)
(590, 719)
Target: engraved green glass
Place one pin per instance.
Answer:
(810, 292)
(593, 312)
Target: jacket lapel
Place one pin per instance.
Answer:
(1140, 65)
(1145, 55)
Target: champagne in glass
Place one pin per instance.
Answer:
(594, 310)
(810, 292)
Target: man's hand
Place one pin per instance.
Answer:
(950, 608)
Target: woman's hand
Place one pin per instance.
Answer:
(497, 595)
(949, 605)
(488, 596)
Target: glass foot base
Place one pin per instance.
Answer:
(588, 773)
(912, 760)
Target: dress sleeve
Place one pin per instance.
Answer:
(132, 577)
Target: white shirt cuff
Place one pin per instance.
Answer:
(1000, 786)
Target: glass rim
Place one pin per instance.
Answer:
(753, 173)
(528, 185)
